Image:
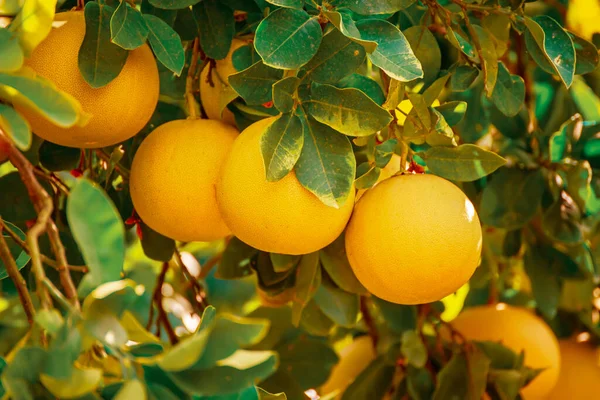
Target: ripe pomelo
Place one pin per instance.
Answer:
(414, 239)
(173, 178)
(354, 358)
(118, 110)
(212, 95)
(518, 329)
(278, 217)
(579, 376)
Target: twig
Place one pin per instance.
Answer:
(50, 177)
(209, 265)
(162, 315)
(199, 298)
(364, 309)
(189, 82)
(63, 266)
(13, 272)
(58, 295)
(118, 166)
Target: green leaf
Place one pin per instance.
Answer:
(395, 95)
(367, 175)
(127, 27)
(283, 93)
(348, 111)
(579, 178)
(419, 383)
(217, 28)
(156, 246)
(335, 261)
(23, 371)
(393, 53)
(308, 361)
(586, 55)
(338, 56)
(342, 307)
(281, 145)
(427, 51)
(288, 38)
(165, 43)
(560, 140)
(453, 111)
(512, 198)
(545, 283)
(298, 4)
(490, 59)
(55, 157)
(463, 78)
(33, 23)
(12, 54)
(366, 85)
(414, 349)
(235, 262)
(255, 84)
(308, 280)
(326, 166)
(343, 21)
(15, 126)
(21, 257)
(81, 382)
(561, 221)
(507, 382)
(464, 163)
(464, 377)
(173, 4)
(264, 395)
(555, 43)
(370, 7)
(237, 372)
(400, 318)
(314, 321)
(63, 351)
(509, 92)
(100, 60)
(132, 389)
(100, 235)
(50, 320)
(372, 383)
(283, 262)
(42, 97)
(168, 16)
(586, 100)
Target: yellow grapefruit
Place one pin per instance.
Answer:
(212, 95)
(579, 373)
(173, 178)
(518, 329)
(279, 217)
(118, 110)
(414, 239)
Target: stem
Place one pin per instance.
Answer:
(189, 83)
(364, 309)
(118, 166)
(63, 266)
(157, 298)
(196, 286)
(58, 295)
(13, 272)
(209, 265)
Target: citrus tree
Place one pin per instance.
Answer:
(299, 199)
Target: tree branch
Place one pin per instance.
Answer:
(157, 298)
(364, 309)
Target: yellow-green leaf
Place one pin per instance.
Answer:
(81, 382)
(463, 163)
(12, 54)
(17, 128)
(281, 145)
(33, 23)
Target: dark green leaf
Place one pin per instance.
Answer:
(400, 318)
(464, 163)
(127, 27)
(244, 57)
(463, 78)
(369, 7)
(217, 28)
(507, 382)
(59, 158)
(326, 166)
(335, 261)
(15, 204)
(342, 307)
(168, 16)
(561, 221)
(393, 53)
(173, 4)
(337, 57)
(414, 349)
(372, 383)
(453, 111)
(283, 93)
(288, 38)
(281, 145)
(367, 175)
(427, 51)
(348, 111)
(165, 43)
(12, 54)
(555, 43)
(308, 280)
(20, 256)
(255, 84)
(185, 24)
(100, 235)
(100, 60)
(509, 92)
(366, 85)
(419, 383)
(314, 321)
(288, 3)
(586, 55)
(308, 361)
(586, 100)
(15, 126)
(464, 377)
(155, 245)
(545, 283)
(236, 260)
(343, 21)
(515, 127)
(512, 198)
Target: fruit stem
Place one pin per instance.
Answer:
(189, 83)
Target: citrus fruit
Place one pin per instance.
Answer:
(518, 329)
(579, 376)
(413, 239)
(582, 17)
(278, 217)
(118, 110)
(354, 358)
(212, 95)
(173, 178)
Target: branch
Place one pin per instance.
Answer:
(13, 272)
(189, 82)
(157, 298)
(199, 294)
(364, 309)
